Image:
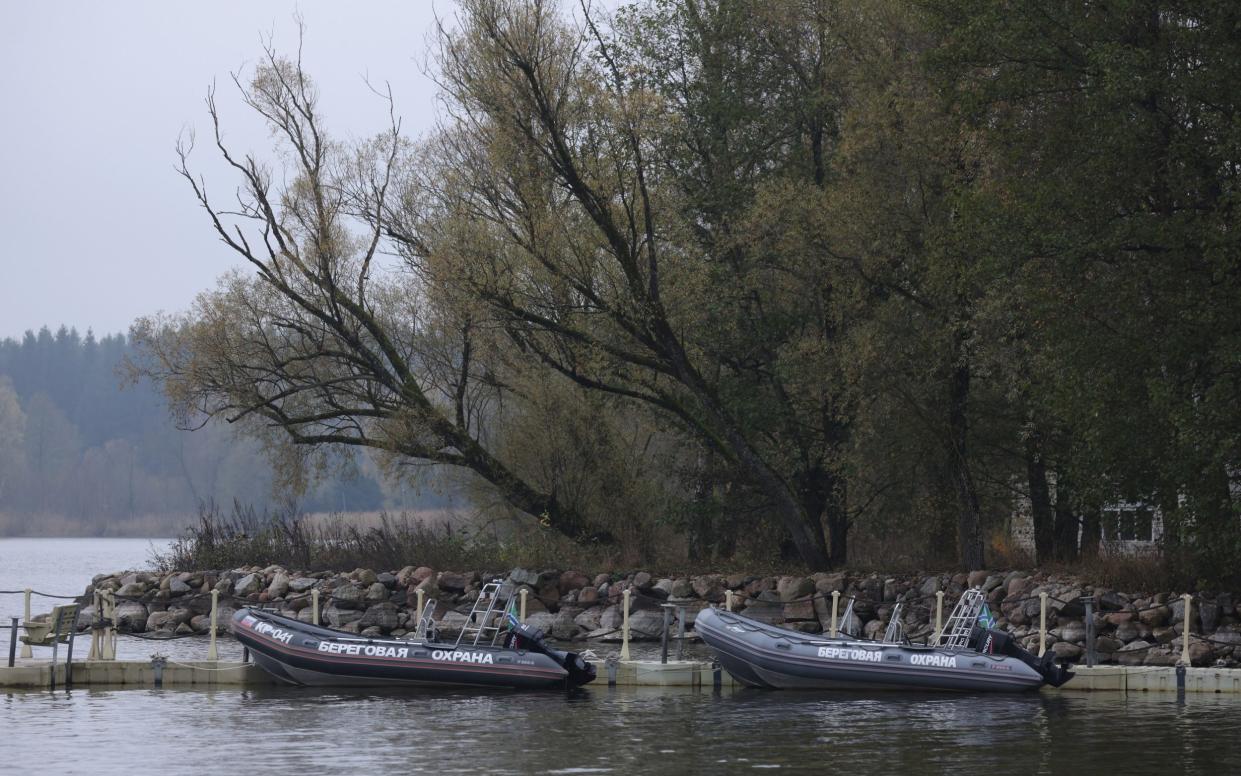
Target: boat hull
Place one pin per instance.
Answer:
(762, 655)
(300, 654)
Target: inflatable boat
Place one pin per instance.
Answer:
(967, 657)
(493, 650)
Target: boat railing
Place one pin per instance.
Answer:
(895, 632)
(426, 625)
(486, 620)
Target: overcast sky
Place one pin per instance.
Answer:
(96, 228)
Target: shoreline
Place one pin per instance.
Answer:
(1130, 628)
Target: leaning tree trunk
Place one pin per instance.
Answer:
(1040, 500)
(969, 522)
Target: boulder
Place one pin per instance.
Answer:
(977, 579)
(131, 616)
(1073, 631)
(1066, 651)
(375, 593)
(386, 578)
(178, 587)
(643, 581)
(1105, 644)
(587, 596)
(709, 588)
(365, 577)
(802, 609)
(372, 632)
(131, 590)
(601, 579)
(1163, 634)
(523, 577)
(661, 589)
(610, 618)
(1155, 616)
(301, 584)
(347, 597)
(248, 585)
(682, 588)
(1127, 631)
(279, 585)
(453, 582)
(646, 625)
(381, 615)
(1133, 654)
(452, 622)
(1208, 616)
(337, 616)
(572, 580)
(589, 619)
(791, 588)
(160, 621)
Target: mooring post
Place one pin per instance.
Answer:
(663, 639)
(1180, 684)
(1188, 601)
(728, 600)
(419, 593)
(215, 600)
(157, 665)
(1088, 600)
(13, 643)
(96, 630)
(73, 629)
(835, 607)
(1042, 623)
(26, 647)
(525, 591)
(939, 615)
(625, 625)
(680, 632)
(314, 605)
(108, 649)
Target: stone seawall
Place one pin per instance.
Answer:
(1130, 628)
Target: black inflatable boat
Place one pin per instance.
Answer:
(494, 650)
(967, 657)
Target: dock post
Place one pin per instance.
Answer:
(835, 606)
(96, 631)
(314, 605)
(1088, 600)
(215, 600)
(663, 639)
(939, 615)
(26, 647)
(1042, 623)
(525, 591)
(1180, 685)
(73, 629)
(625, 625)
(1188, 600)
(108, 648)
(728, 600)
(680, 632)
(13, 643)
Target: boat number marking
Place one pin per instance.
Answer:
(939, 661)
(460, 656)
(274, 633)
(843, 653)
(370, 650)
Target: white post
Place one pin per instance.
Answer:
(939, 615)
(95, 633)
(835, 607)
(1042, 624)
(728, 600)
(420, 593)
(625, 626)
(1185, 629)
(314, 605)
(525, 591)
(26, 647)
(215, 599)
(109, 632)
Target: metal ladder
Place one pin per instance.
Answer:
(960, 623)
(486, 619)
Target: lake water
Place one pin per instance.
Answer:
(594, 730)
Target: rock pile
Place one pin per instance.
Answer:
(1130, 628)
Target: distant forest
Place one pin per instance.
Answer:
(83, 453)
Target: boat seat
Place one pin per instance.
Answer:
(46, 630)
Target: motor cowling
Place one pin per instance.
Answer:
(991, 641)
(533, 639)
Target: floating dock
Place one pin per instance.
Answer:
(689, 674)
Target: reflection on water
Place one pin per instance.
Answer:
(597, 730)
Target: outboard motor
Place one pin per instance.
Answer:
(990, 641)
(522, 636)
